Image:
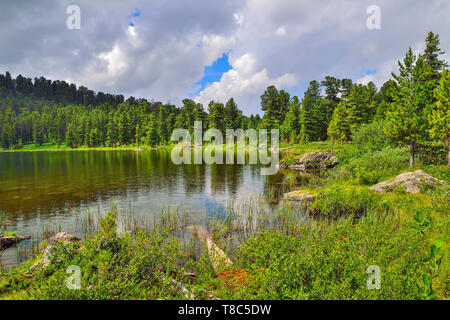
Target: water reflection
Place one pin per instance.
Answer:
(38, 189)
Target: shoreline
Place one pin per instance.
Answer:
(137, 149)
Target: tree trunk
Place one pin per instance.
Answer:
(411, 158)
(332, 145)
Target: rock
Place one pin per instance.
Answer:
(413, 182)
(8, 241)
(64, 237)
(61, 237)
(313, 161)
(301, 196)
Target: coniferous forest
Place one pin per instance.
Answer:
(413, 107)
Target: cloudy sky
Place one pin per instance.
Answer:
(168, 50)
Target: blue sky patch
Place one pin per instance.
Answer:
(213, 73)
(371, 72)
(134, 14)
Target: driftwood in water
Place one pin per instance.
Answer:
(218, 258)
(8, 241)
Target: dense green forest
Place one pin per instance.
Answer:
(413, 108)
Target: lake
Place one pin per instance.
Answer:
(43, 191)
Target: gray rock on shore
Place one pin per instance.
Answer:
(313, 161)
(64, 237)
(413, 182)
(300, 196)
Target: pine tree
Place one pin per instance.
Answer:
(346, 88)
(307, 118)
(216, 116)
(152, 138)
(290, 128)
(162, 126)
(332, 89)
(361, 103)
(339, 128)
(6, 135)
(431, 56)
(440, 117)
(406, 121)
(233, 115)
(275, 104)
(385, 98)
(70, 136)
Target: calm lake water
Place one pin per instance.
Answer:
(42, 191)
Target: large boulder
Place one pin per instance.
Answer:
(64, 237)
(413, 182)
(313, 161)
(300, 196)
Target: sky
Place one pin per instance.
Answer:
(168, 50)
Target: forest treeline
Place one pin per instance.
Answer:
(413, 107)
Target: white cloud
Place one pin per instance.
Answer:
(383, 73)
(215, 45)
(116, 61)
(281, 31)
(243, 82)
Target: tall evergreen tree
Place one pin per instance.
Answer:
(233, 115)
(431, 56)
(307, 117)
(290, 128)
(440, 117)
(407, 117)
(275, 104)
(339, 128)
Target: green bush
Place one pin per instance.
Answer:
(331, 262)
(371, 137)
(366, 176)
(337, 201)
(370, 168)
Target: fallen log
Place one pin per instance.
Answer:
(218, 258)
(8, 241)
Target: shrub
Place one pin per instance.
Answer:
(337, 201)
(331, 262)
(370, 168)
(370, 137)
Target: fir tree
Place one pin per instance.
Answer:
(440, 117)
